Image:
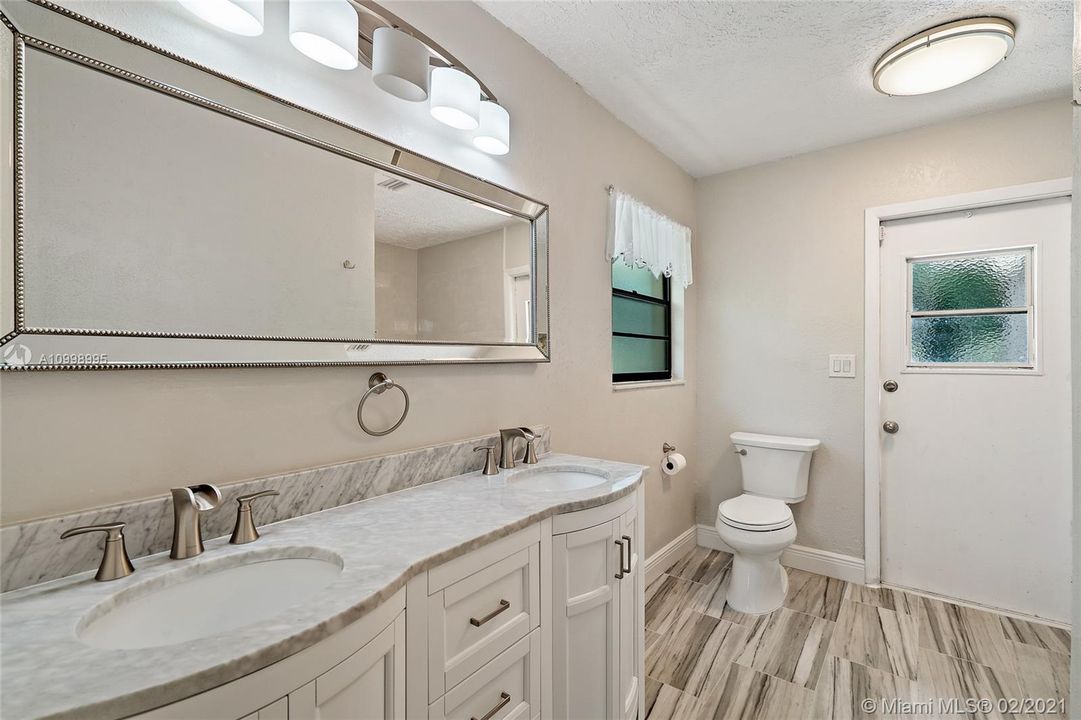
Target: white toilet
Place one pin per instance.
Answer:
(758, 524)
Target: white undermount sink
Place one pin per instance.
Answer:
(558, 479)
(186, 605)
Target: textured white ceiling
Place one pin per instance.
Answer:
(721, 85)
(417, 216)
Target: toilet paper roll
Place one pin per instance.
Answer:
(673, 464)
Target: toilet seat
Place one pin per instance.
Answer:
(755, 513)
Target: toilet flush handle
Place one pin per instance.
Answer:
(741, 451)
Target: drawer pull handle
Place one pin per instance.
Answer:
(629, 551)
(619, 572)
(504, 698)
(503, 605)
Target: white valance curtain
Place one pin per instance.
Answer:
(639, 235)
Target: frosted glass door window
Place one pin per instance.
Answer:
(973, 309)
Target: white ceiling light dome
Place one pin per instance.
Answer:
(944, 56)
(400, 64)
(242, 17)
(455, 98)
(493, 135)
(326, 31)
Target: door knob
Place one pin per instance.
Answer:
(891, 427)
(890, 386)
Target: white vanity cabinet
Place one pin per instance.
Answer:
(357, 673)
(368, 684)
(543, 624)
(597, 609)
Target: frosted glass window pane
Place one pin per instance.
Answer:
(970, 283)
(638, 355)
(970, 339)
(637, 316)
(639, 280)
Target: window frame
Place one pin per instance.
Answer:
(666, 303)
(1029, 310)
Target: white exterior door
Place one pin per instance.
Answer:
(975, 489)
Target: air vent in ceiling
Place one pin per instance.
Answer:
(393, 184)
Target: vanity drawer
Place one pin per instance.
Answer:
(507, 688)
(475, 618)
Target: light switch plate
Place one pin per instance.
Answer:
(842, 366)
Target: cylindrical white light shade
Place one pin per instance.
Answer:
(455, 98)
(325, 30)
(400, 64)
(944, 56)
(493, 135)
(243, 17)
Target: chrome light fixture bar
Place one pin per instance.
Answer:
(391, 47)
(944, 56)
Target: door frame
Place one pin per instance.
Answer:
(872, 369)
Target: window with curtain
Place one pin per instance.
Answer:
(641, 325)
(650, 255)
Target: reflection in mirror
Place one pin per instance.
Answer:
(151, 214)
(449, 269)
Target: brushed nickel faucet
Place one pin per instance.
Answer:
(188, 504)
(115, 563)
(507, 437)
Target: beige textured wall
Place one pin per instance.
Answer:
(395, 291)
(76, 440)
(780, 247)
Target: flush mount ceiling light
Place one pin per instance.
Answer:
(325, 31)
(243, 17)
(493, 135)
(400, 64)
(944, 56)
(455, 98)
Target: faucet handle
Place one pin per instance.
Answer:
(489, 459)
(115, 563)
(244, 531)
(530, 457)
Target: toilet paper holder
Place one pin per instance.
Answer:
(668, 447)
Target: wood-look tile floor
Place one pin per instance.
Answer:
(833, 645)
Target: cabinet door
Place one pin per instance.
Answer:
(585, 623)
(368, 685)
(631, 611)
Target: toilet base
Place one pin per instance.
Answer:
(757, 583)
(756, 587)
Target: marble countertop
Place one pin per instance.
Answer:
(47, 671)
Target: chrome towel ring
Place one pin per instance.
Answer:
(378, 384)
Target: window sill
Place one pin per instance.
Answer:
(646, 384)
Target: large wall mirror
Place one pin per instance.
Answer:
(167, 216)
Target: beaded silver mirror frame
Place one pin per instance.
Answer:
(43, 26)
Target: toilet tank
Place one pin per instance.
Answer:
(775, 466)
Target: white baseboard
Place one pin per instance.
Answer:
(667, 556)
(822, 562)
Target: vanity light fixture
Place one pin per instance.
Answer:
(242, 17)
(493, 135)
(455, 98)
(400, 64)
(944, 56)
(326, 31)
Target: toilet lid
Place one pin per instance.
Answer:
(752, 512)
